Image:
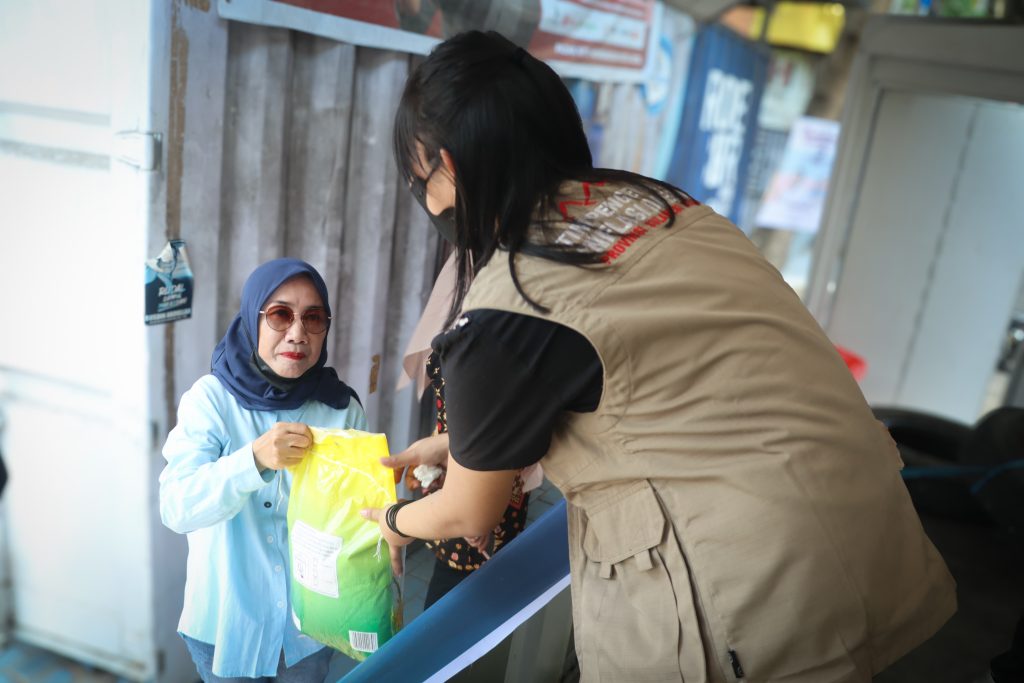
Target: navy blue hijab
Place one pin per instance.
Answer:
(236, 362)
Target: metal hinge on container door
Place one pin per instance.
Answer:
(139, 150)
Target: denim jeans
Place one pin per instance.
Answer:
(312, 669)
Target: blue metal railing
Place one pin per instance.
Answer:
(480, 612)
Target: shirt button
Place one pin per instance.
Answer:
(277, 568)
(267, 504)
(280, 603)
(270, 539)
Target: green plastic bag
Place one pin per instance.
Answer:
(342, 589)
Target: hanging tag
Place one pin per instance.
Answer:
(168, 285)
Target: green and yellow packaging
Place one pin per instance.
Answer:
(342, 589)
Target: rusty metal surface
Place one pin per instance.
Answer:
(305, 170)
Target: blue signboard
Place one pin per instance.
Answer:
(723, 95)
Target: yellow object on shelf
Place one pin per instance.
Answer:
(803, 25)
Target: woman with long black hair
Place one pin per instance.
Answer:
(735, 511)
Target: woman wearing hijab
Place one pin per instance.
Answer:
(735, 510)
(226, 484)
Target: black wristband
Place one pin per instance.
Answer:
(391, 516)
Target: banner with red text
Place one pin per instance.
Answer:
(599, 40)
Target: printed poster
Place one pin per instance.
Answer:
(795, 198)
(601, 40)
(169, 285)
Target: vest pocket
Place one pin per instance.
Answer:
(639, 620)
(778, 611)
(625, 526)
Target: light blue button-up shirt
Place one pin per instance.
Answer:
(236, 590)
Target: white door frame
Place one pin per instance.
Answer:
(908, 54)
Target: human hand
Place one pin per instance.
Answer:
(281, 446)
(394, 541)
(480, 543)
(397, 561)
(432, 450)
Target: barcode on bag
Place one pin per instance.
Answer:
(363, 641)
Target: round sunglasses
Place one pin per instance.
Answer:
(281, 318)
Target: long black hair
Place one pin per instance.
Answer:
(514, 134)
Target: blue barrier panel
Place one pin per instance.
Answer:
(480, 612)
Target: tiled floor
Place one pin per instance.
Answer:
(21, 663)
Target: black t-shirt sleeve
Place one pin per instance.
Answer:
(508, 378)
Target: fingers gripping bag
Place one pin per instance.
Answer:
(342, 590)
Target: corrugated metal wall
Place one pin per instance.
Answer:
(308, 172)
(303, 143)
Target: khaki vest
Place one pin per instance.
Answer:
(736, 512)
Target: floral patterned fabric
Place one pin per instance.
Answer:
(456, 553)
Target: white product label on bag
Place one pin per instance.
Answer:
(315, 559)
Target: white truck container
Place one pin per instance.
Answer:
(123, 124)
